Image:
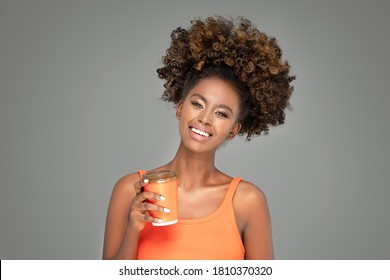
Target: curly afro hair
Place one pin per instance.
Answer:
(235, 51)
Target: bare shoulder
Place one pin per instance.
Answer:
(249, 200)
(127, 180)
(250, 194)
(253, 221)
(124, 187)
(121, 197)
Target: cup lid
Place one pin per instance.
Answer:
(160, 176)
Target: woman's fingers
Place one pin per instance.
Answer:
(147, 206)
(148, 218)
(141, 205)
(138, 186)
(148, 195)
(141, 202)
(138, 218)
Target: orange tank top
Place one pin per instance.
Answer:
(214, 237)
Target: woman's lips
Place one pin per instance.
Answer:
(199, 134)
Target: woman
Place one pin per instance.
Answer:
(226, 78)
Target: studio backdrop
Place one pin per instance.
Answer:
(80, 108)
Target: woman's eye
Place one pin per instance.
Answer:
(222, 114)
(196, 104)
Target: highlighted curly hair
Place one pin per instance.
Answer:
(236, 51)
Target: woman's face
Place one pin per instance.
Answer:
(208, 115)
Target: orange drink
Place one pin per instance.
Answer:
(164, 183)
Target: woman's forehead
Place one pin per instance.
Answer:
(214, 89)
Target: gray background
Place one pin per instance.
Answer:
(79, 109)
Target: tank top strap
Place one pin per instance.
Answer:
(228, 205)
(232, 189)
(141, 172)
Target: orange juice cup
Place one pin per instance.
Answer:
(164, 183)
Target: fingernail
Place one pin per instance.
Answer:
(162, 197)
(166, 210)
(159, 220)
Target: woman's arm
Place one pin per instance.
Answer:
(253, 212)
(120, 240)
(126, 216)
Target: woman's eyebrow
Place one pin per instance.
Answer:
(226, 107)
(200, 96)
(205, 101)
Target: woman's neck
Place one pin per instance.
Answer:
(194, 169)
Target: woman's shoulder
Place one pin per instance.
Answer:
(125, 184)
(128, 179)
(250, 195)
(249, 200)
(131, 178)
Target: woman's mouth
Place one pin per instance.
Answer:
(200, 132)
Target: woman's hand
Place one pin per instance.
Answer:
(140, 206)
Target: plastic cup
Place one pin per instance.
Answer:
(163, 182)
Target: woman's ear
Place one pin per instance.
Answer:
(179, 108)
(236, 128)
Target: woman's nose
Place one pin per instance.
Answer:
(205, 117)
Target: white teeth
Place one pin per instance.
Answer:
(200, 132)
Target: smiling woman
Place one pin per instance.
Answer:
(226, 78)
(209, 112)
